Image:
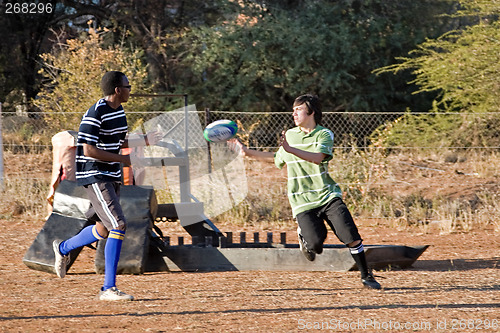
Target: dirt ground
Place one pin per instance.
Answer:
(453, 286)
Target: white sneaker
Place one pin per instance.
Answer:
(61, 262)
(113, 294)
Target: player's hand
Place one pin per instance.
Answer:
(126, 159)
(152, 138)
(238, 147)
(284, 143)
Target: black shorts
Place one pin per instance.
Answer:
(335, 213)
(105, 205)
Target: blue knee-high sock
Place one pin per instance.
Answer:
(111, 256)
(87, 236)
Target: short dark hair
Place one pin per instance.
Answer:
(313, 105)
(110, 81)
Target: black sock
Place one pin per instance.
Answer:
(358, 254)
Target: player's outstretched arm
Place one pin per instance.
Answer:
(237, 146)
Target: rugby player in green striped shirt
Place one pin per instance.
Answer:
(314, 196)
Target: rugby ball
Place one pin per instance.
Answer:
(220, 130)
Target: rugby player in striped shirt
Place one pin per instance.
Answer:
(101, 136)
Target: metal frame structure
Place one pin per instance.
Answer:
(189, 211)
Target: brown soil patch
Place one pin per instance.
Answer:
(455, 281)
(454, 286)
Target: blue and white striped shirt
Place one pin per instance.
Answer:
(104, 128)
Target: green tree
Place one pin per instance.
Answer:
(155, 26)
(25, 35)
(158, 27)
(73, 71)
(265, 56)
(462, 68)
(461, 65)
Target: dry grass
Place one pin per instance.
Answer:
(25, 185)
(414, 190)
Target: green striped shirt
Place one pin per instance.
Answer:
(309, 185)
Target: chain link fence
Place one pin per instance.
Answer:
(423, 153)
(456, 131)
(262, 129)
(23, 133)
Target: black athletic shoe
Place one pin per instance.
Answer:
(308, 254)
(370, 282)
